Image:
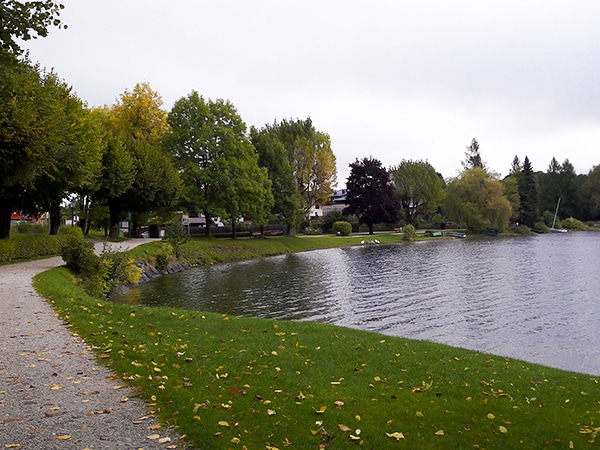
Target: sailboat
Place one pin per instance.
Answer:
(557, 230)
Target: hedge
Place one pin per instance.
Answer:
(31, 246)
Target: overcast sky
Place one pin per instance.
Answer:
(390, 79)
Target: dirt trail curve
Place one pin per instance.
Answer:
(53, 394)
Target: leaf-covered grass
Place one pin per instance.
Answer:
(229, 382)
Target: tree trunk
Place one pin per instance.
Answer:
(54, 211)
(114, 212)
(371, 228)
(208, 223)
(5, 213)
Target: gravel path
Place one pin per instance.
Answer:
(53, 394)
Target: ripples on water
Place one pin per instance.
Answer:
(533, 298)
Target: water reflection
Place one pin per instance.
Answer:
(533, 298)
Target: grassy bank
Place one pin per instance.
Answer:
(230, 382)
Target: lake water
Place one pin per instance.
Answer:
(534, 298)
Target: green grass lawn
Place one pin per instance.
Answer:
(233, 382)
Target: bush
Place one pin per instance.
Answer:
(79, 256)
(74, 232)
(541, 226)
(176, 235)
(522, 229)
(25, 246)
(410, 233)
(164, 255)
(573, 224)
(99, 275)
(30, 228)
(342, 228)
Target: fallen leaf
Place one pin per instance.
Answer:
(271, 412)
(63, 437)
(321, 410)
(491, 416)
(12, 445)
(439, 433)
(344, 428)
(235, 440)
(396, 435)
(502, 429)
(55, 387)
(223, 423)
(339, 403)
(164, 440)
(153, 437)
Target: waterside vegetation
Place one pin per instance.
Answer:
(236, 382)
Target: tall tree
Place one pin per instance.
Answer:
(529, 212)
(419, 189)
(311, 157)
(218, 163)
(591, 194)
(140, 122)
(473, 157)
(287, 201)
(73, 145)
(476, 200)
(26, 20)
(560, 181)
(370, 193)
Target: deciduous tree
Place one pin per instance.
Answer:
(419, 189)
(219, 165)
(371, 194)
(476, 200)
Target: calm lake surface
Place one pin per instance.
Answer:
(533, 298)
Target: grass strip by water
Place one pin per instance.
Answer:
(234, 382)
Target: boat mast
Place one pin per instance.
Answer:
(556, 212)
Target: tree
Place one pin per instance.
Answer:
(560, 181)
(311, 157)
(528, 193)
(472, 156)
(419, 189)
(591, 193)
(26, 20)
(515, 166)
(73, 148)
(476, 200)
(140, 124)
(287, 201)
(22, 133)
(371, 194)
(218, 163)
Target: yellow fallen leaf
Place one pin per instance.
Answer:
(235, 440)
(271, 412)
(164, 440)
(63, 437)
(344, 428)
(354, 438)
(439, 433)
(419, 414)
(502, 429)
(491, 416)
(396, 435)
(223, 423)
(314, 432)
(357, 417)
(321, 410)
(55, 387)
(12, 445)
(153, 437)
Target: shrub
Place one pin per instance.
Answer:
(573, 224)
(30, 228)
(79, 256)
(75, 232)
(176, 235)
(342, 228)
(410, 233)
(541, 226)
(24, 246)
(164, 255)
(522, 229)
